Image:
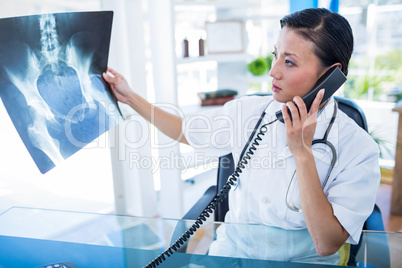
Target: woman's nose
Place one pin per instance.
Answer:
(275, 72)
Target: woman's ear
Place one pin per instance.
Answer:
(336, 64)
(327, 68)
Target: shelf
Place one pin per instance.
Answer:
(229, 57)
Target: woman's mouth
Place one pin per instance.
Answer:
(275, 88)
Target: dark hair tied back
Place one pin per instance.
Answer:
(330, 32)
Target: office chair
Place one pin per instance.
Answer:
(226, 167)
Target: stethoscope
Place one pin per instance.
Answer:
(324, 141)
(263, 129)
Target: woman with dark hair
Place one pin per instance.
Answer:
(328, 31)
(311, 207)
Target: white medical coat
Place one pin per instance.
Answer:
(260, 195)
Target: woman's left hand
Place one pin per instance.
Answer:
(300, 130)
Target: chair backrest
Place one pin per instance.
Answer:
(351, 109)
(225, 169)
(226, 163)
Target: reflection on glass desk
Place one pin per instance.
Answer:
(34, 237)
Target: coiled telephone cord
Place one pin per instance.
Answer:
(220, 197)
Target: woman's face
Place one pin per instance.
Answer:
(295, 68)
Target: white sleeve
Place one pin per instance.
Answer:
(212, 133)
(353, 192)
(226, 128)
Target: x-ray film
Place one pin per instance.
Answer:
(51, 82)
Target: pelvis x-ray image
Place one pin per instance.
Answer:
(51, 83)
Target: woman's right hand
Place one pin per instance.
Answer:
(119, 85)
(169, 124)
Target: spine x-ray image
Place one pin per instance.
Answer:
(51, 83)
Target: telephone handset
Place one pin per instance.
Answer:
(330, 81)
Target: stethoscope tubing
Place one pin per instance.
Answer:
(243, 158)
(325, 141)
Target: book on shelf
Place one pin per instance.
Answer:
(216, 101)
(217, 94)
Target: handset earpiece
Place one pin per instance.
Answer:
(330, 81)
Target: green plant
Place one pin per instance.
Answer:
(383, 144)
(386, 81)
(391, 60)
(360, 86)
(258, 66)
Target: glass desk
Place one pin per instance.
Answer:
(34, 237)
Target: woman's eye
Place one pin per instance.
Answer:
(274, 53)
(289, 63)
